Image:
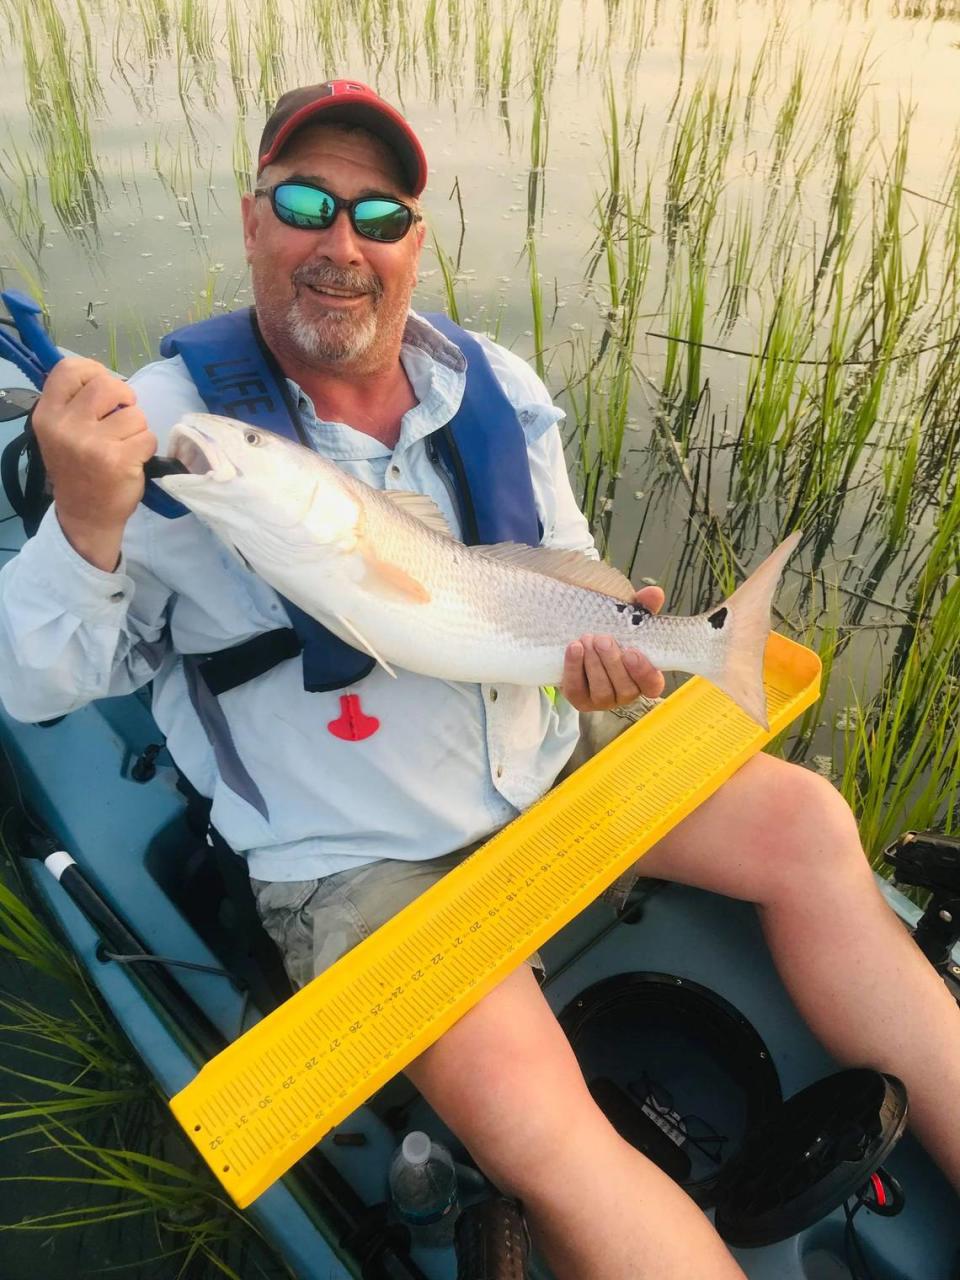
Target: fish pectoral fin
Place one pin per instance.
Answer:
(574, 567)
(385, 578)
(421, 508)
(365, 644)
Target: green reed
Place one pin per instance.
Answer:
(267, 40)
(156, 22)
(448, 274)
(505, 63)
(62, 89)
(196, 25)
(86, 1107)
(482, 47)
(238, 60)
(901, 760)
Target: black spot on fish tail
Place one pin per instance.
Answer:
(718, 618)
(639, 613)
(622, 607)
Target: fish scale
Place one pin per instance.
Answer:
(263, 1102)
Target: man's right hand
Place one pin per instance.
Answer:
(94, 441)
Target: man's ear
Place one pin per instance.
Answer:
(248, 217)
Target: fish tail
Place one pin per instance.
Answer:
(747, 622)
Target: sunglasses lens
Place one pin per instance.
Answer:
(307, 207)
(382, 219)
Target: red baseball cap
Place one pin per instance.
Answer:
(346, 102)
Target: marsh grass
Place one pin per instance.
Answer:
(63, 89)
(902, 751)
(268, 42)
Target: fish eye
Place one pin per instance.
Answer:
(252, 437)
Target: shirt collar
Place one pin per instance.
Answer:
(436, 368)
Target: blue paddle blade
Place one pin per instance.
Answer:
(26, 315)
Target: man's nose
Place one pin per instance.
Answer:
(340, 243)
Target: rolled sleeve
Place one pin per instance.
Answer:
(56, 578)
(67, 632)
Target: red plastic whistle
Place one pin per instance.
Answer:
(352, 724)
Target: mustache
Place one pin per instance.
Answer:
(320, 275)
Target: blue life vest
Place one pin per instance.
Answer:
(482, 450)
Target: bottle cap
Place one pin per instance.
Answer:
(416, 1147)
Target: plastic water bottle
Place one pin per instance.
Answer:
(423, 1185)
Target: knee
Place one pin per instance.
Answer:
(534, 1137)
(548, 1153)
(806, 828)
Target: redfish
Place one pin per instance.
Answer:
(382, 570)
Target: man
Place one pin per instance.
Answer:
(342, 823)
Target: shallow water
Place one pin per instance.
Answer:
(162, 223)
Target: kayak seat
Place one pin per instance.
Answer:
(210, 885)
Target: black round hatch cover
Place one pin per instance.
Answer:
(814, 1153)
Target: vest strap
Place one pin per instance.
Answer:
(228, 668)
(492, 507)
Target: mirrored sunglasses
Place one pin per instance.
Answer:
(311, 208)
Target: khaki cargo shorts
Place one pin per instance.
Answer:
(315, 922)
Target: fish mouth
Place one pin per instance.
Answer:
(196, 450)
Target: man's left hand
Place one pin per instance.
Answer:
(598, 674)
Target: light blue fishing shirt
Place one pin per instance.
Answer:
(449, 762)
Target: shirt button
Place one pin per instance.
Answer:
(117, 597)
(499, 770)
(493, 695)
(394, 470)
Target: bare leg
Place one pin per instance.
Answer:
(782, 837)
(505, 1080)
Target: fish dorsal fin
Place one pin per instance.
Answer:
(421, 508)
(573, 567)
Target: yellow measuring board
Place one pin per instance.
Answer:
(263, 1102)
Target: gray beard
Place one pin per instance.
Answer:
(333, 340)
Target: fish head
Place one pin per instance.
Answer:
(260, 493)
